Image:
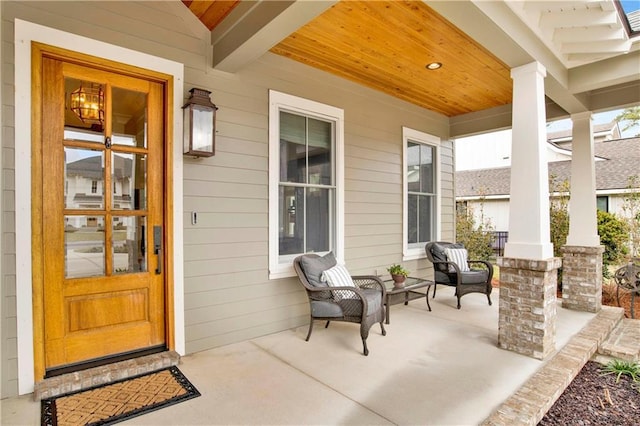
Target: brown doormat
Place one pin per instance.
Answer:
(116, 402)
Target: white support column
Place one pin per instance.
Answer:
(583, 218)
(529, 204)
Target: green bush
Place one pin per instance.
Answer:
(477, 238)
(559, 215)
(614, 235)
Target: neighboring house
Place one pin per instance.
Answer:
(601, 132)
(486, 191)
(335, 129)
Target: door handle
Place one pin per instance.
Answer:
(157, 247)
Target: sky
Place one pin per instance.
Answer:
(630, 5)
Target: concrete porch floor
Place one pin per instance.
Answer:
(439, 368)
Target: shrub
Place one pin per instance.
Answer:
(631, 209)
(621, 367)
(614, 235)
(559, 215)
(477, 238)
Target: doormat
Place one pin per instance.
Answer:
(115, 402)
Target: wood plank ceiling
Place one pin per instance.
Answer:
(386, 45)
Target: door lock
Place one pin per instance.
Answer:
(157, 247)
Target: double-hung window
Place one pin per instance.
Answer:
(421, 191)
(305, 180)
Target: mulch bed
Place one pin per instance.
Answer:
(596, 399)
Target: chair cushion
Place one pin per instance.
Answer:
(353, 307)
(475, 276)
(338, 276)
(314, 266)
(322, 309)
(457, 256)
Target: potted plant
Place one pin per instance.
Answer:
(398, 274)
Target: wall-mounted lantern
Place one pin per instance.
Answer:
(199, 123)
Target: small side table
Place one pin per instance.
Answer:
(410, 285)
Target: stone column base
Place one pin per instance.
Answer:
(582, 278)
(527, 313)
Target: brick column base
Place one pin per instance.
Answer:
(582, 278)
(527, 313)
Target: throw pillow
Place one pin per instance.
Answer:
(338, 276)
(314, 266)
(459, 257)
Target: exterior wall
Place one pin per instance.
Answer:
(493, 150)
(227, 294)
(497, 211)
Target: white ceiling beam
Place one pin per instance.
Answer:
(558, 5)
(578, 18)
(582, 34)
(617, 70)
(604, 46)
(249, 33)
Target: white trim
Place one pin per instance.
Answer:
(434, 141)
(278, 101)
(25, 33)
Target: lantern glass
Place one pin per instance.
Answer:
(199, 124)
(202, 129)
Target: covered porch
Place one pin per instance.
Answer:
(455, 373)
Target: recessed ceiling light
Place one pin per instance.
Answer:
(434, 65)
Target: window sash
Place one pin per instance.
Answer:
(421, 192)
(312, 175)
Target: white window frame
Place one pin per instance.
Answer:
(411, 135)
(284, 102)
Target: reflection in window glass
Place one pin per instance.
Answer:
(129, 181)
(130, 117)
(421, 195)
(84, 246)
(129, 247)
(74, 126)
(84, 182)
(307, 191)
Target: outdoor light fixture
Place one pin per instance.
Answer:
(87, 102)
(434, 65)
(199, 115)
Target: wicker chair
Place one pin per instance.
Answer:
(628, 279)
(448, 273)
(362, 304)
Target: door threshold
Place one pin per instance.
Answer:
(110, 372)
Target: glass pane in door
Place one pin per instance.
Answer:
(129, 246)
(84, 110)
(129, 181)
(129, 118)
(84, 243)
(83, 179)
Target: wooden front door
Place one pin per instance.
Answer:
(103, 144)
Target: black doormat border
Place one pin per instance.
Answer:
(49, 415)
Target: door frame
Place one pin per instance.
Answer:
(30, 345)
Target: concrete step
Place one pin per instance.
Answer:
(91, 377)
(623, 342)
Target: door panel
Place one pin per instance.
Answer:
(103, 193)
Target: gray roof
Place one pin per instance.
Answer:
(621, 160)
(634, 20)
(597, 128)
